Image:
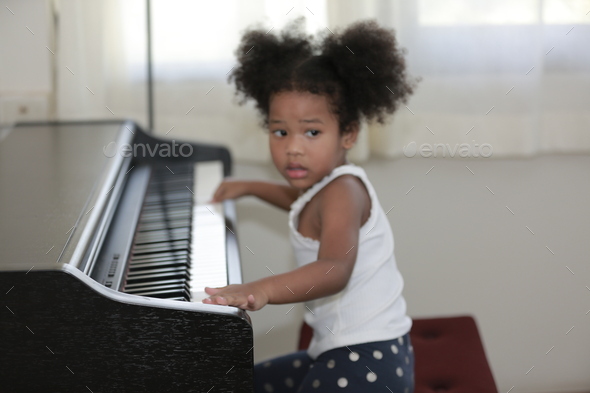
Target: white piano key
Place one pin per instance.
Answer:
(208, 175)
(208, 255)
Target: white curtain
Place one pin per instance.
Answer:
(512, 75)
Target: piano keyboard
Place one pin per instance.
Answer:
(179, 245)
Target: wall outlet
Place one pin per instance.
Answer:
(19, 108)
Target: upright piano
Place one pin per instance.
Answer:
(107, 240)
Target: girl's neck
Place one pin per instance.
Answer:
(345, 162)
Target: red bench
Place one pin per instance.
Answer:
(449, 355)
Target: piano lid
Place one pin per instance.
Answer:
(51, 175)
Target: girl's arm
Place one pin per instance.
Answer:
(279, 195)
(341, 208)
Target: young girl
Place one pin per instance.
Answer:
(312, 97)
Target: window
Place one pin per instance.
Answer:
(197, 39)
(502, 12)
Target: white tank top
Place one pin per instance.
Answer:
(371, 306)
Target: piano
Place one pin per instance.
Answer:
(107, 240)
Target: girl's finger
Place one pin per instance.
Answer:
(212, 291)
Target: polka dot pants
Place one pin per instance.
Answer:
(380, 366)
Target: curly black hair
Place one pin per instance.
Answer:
(361, 70)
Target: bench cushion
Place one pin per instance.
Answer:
(449, 355)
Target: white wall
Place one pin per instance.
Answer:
(462, 251)
(25, 62)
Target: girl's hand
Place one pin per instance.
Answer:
(230, 189)
(245, 296)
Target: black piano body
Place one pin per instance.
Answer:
(65, 326)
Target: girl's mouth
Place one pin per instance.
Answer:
(296, 172)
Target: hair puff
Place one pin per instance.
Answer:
(361, 69)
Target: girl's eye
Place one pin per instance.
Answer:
(314, 132)
(279, 132)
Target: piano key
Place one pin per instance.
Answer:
(167, 293)
(147, 257)
(176, 182)
(172, 205)
(164, 211)
(174, 196)
(159, 265)
(164, 208)
(163, 216)
(153, 226)
(161, 238)
(178, 282)
(159, 259)
(155, 277)
(154, 245)
(161, 247)
(143, 272)
(164, 232)
(180, 233)
(208, 257)
(158, 288)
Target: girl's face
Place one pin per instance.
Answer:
(305, 141)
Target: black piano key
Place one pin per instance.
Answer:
(172, 224)
(167, 293)
(158, 264)
(143, 272)
(165, 217)
(159, 276)
(161, 238)
(155, 256)
(156, 285)
(170, 242)
(177, 282)
(165, 213)
(153, 227)
(160, 260)
(137, 291)
(176, 205)
(172, 231)
(154, 236)
(164, 173)
(166, 209)
(176, 184)
(165, 202)
(169, 197)
(161, 247)
(172, 205)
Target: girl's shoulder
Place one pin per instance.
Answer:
(347, 179)
(348, 189)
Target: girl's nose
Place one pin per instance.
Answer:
(294, 146)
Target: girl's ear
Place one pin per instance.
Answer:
(350, 135)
